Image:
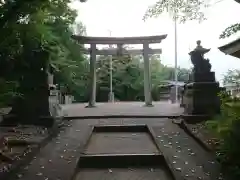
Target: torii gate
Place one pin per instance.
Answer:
(120, 41)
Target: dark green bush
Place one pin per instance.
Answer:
(8, 90)
(226, 127)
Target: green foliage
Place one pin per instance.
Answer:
(38, 36)
(233, 29)
(182, 10)
(128, 77)
(226, 127)
(7, 92)
(232, 76)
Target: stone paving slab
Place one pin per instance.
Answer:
(162, 108)
(121, 121)
(186, 157)
(58, 159)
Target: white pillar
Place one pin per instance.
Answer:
(93, 76)
(176, 61)
(111, 93)
(147, 77)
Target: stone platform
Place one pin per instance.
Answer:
(161, 108)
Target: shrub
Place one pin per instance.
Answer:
(226, 127)
(7, 92)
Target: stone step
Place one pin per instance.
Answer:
(121, 139)
(122, 167)
(120, 160)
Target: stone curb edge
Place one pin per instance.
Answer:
(203, 144)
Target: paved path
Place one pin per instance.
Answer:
(162, 108)
(58, 159)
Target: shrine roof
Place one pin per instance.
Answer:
(232, 48)
(119, 40)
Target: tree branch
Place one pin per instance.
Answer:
(230, 30)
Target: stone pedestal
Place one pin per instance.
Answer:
(201, 98)
(203, 77)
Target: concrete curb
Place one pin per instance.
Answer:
(175, 174)
(173, 116)
(118, 116)
(204, 145)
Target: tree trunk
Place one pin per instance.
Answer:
(33, 106)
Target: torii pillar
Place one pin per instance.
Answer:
(147, 76)
(93, 76)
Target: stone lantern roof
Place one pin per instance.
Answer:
(200, 49)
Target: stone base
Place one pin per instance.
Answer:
(203, 77)
(148, 105)
(91, 106)
(182, 105)
(201, 98)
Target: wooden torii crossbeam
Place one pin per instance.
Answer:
(115, 51)
(119, 40)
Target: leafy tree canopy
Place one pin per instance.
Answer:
(128, 77)
(232, 76)
(182, 10)
(233, 29)
(35, 37)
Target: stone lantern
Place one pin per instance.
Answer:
(201, 93)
